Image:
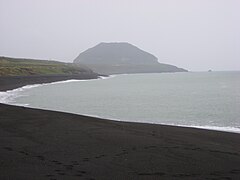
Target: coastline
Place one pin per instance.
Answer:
(13, 82)
(54, 145)
(8, 97)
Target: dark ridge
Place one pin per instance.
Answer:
(120, 58)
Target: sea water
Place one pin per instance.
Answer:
(208, 100)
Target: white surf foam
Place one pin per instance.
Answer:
(209, 127)
(217, 128)
(7, 97)
(107, 77)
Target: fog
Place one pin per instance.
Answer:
(194, 34)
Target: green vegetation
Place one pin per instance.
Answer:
(26, 67)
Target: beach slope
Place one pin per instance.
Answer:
(40, 144)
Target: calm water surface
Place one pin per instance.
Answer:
(208, 100)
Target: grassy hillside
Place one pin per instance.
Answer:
(26, 67)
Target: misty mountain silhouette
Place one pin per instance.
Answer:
(121, 58)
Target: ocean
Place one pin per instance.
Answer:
(209, 100)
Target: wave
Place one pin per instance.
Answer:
(107, 77)
(218, 128)
(7, 97)
(206, 127)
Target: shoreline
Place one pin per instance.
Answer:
(47, 144)
(13, 82)
(99, 77)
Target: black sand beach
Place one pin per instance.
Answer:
(13, 82)
(40, 144)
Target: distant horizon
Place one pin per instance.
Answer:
(195, 35)
(189, 70)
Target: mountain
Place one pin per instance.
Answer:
(121, 58)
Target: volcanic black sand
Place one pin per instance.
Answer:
(13, 82)
(39, 144)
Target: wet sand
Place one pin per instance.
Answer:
(40, 144)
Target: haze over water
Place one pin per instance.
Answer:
(208, 100)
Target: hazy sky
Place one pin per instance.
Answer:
(193, 34)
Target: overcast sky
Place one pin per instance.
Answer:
(194, 34)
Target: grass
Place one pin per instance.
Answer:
(26, 67)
